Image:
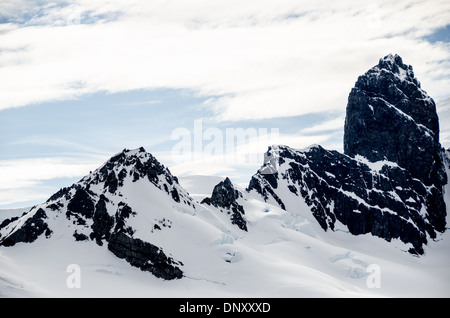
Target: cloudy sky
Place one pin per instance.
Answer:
(82, 80)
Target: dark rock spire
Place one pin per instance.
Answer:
(389, 117)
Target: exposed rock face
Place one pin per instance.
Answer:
(102, 222)
(381, 199)
(144, 255)
(390, 180)
(29, 231)
(225, 196)
(81, 203)
(389, 117)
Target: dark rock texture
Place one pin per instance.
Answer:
(102, 221)
(387, 203)
(31, 229)
(224, 195)
(389, 117)
(144, 255)
(389, 181)
(81, 203)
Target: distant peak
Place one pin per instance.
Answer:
(128, 154)
(227, 181)
(140, 150)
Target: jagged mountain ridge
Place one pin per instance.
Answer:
(389, 181)
(224, 195)
(390, 117)
(136, 208)
(131, 204)
(97, 208)
(382, 198)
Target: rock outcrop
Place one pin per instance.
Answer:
(30, 229)
(390, 117)
(225, 196)
(389, 181)
(144, 255)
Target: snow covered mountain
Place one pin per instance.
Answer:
(97, 208)
(380, 198)
(311, 222)
(389, 181)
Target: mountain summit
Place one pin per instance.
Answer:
(389, 181)
(101, 207)
(132, 212)
(389, 117)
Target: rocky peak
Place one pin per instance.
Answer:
(224, 197)
(389, 181)
(394, 81)
(389, 117)
(393, 63)
(224, 193)
(97, 208)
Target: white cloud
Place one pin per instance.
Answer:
(260, 59)
(254, 59)
(332, 124)
(27, 172)
(27, 180)
(24, 197)
(246, 153)
(443, 105)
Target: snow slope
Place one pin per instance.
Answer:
(281, 255)
(202, 236)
